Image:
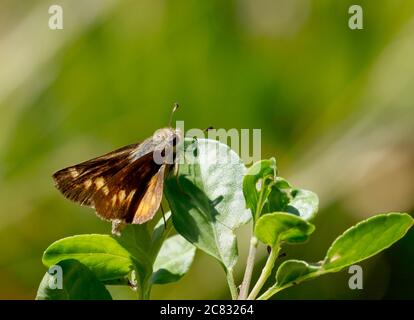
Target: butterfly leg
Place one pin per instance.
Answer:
(163, 217)
(176, 174)
(117, 226)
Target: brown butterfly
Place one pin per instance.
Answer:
(125, 185)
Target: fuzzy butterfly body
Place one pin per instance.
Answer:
(125, 185)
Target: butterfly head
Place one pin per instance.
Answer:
(167, 137)
(165, 142)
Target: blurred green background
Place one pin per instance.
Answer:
(336, 108)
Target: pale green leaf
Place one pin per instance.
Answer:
(173, 261)
(206, 199)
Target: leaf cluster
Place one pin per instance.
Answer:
(213, 195)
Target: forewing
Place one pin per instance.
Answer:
(125, 184)
(80, 182)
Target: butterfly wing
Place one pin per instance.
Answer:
(80, 182)
(150, 202)
(124, 185)
(130, 192)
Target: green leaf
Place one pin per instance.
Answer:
(282, 183)
(358, 243)
(265, 192)
(303, 203)
(274, 227)
(112, 258)
(78, 283)
(300, 202)
(257, 184)
(292, 270)
(277, 200)
(138, 241)
(102, 254)
(161, 230)
(366, 239)
(206, 198)
(173, 261)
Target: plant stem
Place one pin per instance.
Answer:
(140, 291)
(270, 292)
(145, 294)
(275, 288)
(143, 290)
(231, 284)
(259, 205)
(267, 270)
(244, 289)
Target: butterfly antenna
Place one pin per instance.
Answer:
(175, 107)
